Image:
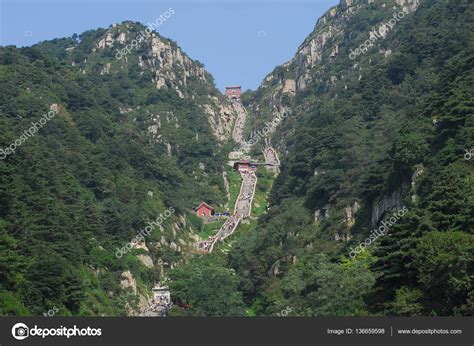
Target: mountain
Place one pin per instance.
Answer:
(130, 139)
(111, 138)
(372, 117)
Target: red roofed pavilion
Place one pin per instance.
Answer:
(204, 210)
(233, 92)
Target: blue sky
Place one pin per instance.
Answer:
(239, 42)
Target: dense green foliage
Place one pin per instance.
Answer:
(91, 178)
(361, 138)
(389, 128)
(206, 287)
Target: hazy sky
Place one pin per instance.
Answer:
(239, 42)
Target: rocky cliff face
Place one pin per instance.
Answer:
(324, 67)
(394, 201)
(316, 62)
(130, 48)
(168, 67)
(363, 143)
(141, 130)
(221, 116)
(322, 46)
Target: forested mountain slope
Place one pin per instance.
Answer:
(131, 138)
(369, 131)
(375, 129)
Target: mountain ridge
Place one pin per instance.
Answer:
(360, 139)
(355, 145)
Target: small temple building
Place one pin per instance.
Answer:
(233, 92)
(161, 294)
(204, 210)
(244, 166)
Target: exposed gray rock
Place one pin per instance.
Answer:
(349, 214)
(321, 214)
(221, 117)
(146, 260)
(393, 201)
(128, 281)
(419, 169)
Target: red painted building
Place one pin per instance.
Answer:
(204, 210)
(233, 92)
(244, 166)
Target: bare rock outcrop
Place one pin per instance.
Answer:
(386, 203)
(349, 214)
(128, 281)
(146, 260)
(221, 117)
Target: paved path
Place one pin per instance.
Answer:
(157, 308)
(271, 158)
(238, 133)
(243, 205)
(242, 211)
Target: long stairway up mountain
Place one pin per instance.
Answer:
(238, 132)
(271, 159)
(243, 204)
